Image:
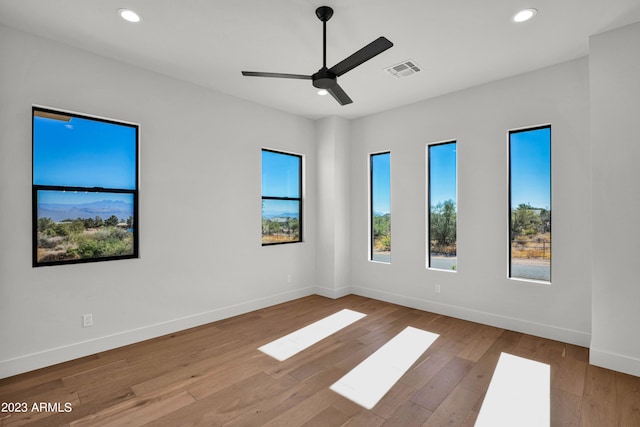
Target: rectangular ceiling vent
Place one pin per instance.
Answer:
(403, 69)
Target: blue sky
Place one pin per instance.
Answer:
(442, 173)
(280, 175)
(531, 168)
(83, 153)
(381, 183)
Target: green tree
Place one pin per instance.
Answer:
(274, 227)
(46, 226)
(112, 221)
(382, 232)
(525, 221)
(293, 224)
(444, 223)
(381, 225)
(62, 229)
(76, 227)
(545, 219)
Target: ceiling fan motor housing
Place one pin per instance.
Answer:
(324, 79)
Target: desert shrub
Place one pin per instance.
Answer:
(447, 250)
(89, 248)
(53, 256)
(72, 253)
(46, 226)
(47, 242)
(384, 243)
(381, 225)
(108, 242)
(112, 233)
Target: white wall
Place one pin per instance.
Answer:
(479, 118)
(333, 199)
(614, 69)
(199, 208)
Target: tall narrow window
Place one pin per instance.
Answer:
(281, 197)
(380, 171)
(85, 188)
(530, 203)
(442, 206)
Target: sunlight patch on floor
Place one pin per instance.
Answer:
(289, 345)
(368, 382)
(519, 394)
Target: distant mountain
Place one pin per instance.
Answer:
(103, 208)
(273, 214)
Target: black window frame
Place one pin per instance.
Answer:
(299, 198)
(509, 207)
(39, 187)
(371, 209)
(435, 144)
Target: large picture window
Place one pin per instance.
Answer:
(442, 200)
(281, 197)
(530, 203)
(380, 208)
(85, 188)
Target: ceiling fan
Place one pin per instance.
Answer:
(327, 78)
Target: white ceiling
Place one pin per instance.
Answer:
(458, 43)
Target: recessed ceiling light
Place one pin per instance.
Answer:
(129, 15)
(524, 15)
(323, 92)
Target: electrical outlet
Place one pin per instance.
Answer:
(437, 289)
(87, 320)
(289, 278)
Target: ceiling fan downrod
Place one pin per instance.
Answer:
(324, 79)
(324, 13)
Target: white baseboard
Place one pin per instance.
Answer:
(499, 321)
(30, 362)
(333, 293)
(53, 356)
(614, 361)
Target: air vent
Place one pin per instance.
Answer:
(403, 69)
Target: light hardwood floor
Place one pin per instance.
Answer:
(214, 375)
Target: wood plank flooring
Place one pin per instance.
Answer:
(214, 375)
